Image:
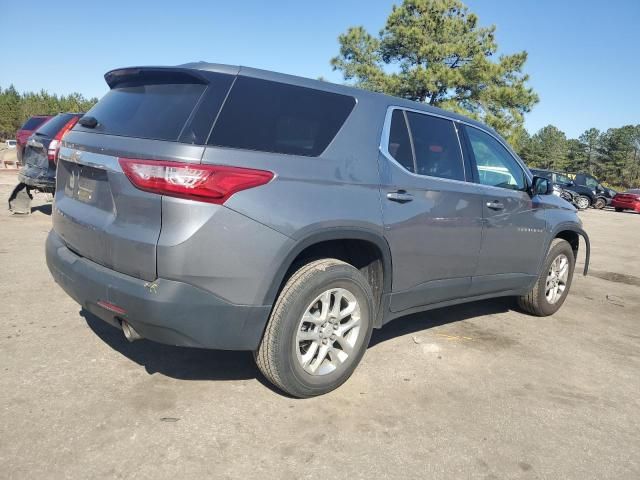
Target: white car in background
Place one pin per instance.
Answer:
(10, 143)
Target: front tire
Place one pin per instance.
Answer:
(553, 284)
(618, 209)
(319, 329)
(600, 203)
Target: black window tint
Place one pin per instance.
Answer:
(496, 166)
(399, 142)
(53, 126)
(33, 123)
(147, 111)
(436, 146)
(281, 118)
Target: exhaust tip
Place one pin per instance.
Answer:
(129, 332)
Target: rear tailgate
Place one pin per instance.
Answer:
(148, 114)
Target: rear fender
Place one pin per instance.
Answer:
(337, 233)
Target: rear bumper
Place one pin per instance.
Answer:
(42, 179)
(164, 311)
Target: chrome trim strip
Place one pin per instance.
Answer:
(91, 159)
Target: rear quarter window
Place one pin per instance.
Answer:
(280, 118)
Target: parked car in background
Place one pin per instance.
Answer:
(226, 207)
(567, 195)
(40, 159)
(11, 144)
(629, 200)
(25, 131)
(603, 195)
(584, 197)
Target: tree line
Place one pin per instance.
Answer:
(612, 156)
(16, 108)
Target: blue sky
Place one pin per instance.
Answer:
(583, 55)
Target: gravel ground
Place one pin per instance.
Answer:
(474, 391)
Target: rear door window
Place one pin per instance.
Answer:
(157, 111)
(436, 146)
(281, 118)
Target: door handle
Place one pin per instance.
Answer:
(495, 205)
(401, 196)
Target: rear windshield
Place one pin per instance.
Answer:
(281, 118)
(33, 123)
(53, 126)
(157, 112)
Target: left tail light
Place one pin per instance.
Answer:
(54, 146)
(205, 183)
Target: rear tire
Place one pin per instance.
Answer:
(583, 202)
(600, 203)
(618, 209)
(319, 329)
(550, 290)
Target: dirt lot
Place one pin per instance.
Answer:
(475, 391)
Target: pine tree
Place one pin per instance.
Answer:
(435, 51)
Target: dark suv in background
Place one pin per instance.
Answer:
(39, 160)
(25, 131)
(226, 207)
(603, 195)
(584, 197)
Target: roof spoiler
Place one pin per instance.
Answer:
(136, 76)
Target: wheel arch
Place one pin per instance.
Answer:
(344, 244)
(571, 233)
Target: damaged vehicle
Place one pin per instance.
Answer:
(40, 158)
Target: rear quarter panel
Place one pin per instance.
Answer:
(338, 189)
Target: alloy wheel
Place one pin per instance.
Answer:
(582, 203)
(328, 331)
(557, 278)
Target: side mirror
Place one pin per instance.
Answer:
(541, 186)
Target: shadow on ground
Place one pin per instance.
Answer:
(46, 209)
(199, 364)
(176, 362)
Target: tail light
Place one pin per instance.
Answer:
(205, 183)
(54, 146)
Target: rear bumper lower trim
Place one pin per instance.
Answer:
(164, 311)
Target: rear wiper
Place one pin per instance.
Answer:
(88, 121)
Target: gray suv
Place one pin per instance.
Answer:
(226, 207)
